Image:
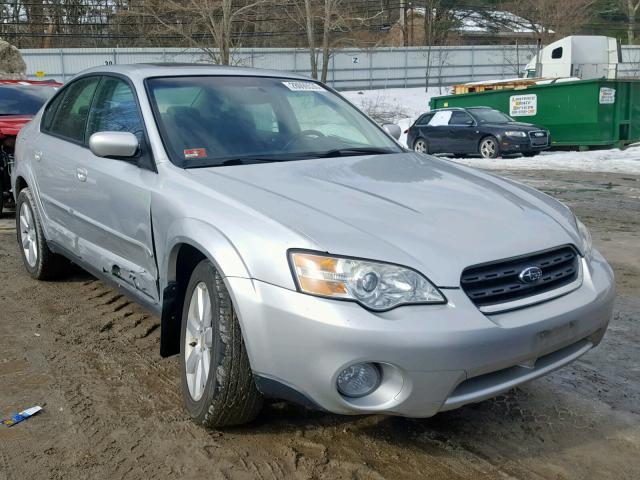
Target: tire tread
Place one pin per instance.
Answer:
(236, 399)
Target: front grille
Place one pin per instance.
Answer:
(498, 282)
(539, 138)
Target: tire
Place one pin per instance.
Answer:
(530, 154)
(489, 147)
(421, 145)
(40, 262)
(212, 345)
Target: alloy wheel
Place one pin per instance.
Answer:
(28, 235)
(198, 341)
(488, 148)
(420, 146)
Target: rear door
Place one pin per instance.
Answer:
(113, 196)
(437, 131)
(57, 150)
(461, 137)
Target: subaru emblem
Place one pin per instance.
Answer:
(530, 274)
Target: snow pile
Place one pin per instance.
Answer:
(611, 161)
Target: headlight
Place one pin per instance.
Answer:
(515, 134)
(585, 235)
(377, 286)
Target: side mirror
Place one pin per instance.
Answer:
(392, 129)
(113, 144)
(470, 123)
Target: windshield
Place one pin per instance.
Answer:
(218, 120)
(487, 115)
(24, 99)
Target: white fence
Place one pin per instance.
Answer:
(348, 68)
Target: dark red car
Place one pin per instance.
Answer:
(20, 100)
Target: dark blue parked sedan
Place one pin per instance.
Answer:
(475, 130)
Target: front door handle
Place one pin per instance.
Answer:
(81, 173)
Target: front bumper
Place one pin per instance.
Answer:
(511, 145)
(433, 358)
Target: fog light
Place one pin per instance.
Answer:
(358, 380)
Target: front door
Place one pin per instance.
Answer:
(436, 131)
(113, 196)
(111, 201)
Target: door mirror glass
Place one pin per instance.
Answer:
(392, 129)
(113, 144)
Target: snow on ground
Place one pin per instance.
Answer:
(404, 105)
(612, 161)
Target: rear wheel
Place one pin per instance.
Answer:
(40, 262)
(489, 147)
(421, 146)
(217, 381)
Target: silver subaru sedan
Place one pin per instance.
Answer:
(294, 250)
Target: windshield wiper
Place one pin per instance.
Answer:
(353, 151)
(248, 160)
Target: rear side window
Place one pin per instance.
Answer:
(424, 119)
(114, 109)
(440, 118)
(50, 112)
(70, 117)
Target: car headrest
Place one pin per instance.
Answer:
(182, 112)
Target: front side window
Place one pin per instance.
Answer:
(487, 115)
(114, 109)
(218, 120)
(460, 118)
(70, 117)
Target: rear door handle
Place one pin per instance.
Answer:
(37, 156)
(81, 173)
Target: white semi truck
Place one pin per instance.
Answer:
(581, 56)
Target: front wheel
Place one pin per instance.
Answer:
(217, 381)
(531, 154)
(420, 146)
(489, 147)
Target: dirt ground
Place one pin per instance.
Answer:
(113, 406)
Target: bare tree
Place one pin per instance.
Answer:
(304, 15)
(438, 21)
(200, 21)
(327, 25)
(630, 9)
(548, 19)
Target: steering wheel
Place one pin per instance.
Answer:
(305, 133)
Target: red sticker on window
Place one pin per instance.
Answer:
(195, 153)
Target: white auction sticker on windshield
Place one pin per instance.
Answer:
(303, 86)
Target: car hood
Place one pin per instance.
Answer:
(410, 209)
(10, 125)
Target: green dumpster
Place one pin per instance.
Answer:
(582, 114)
